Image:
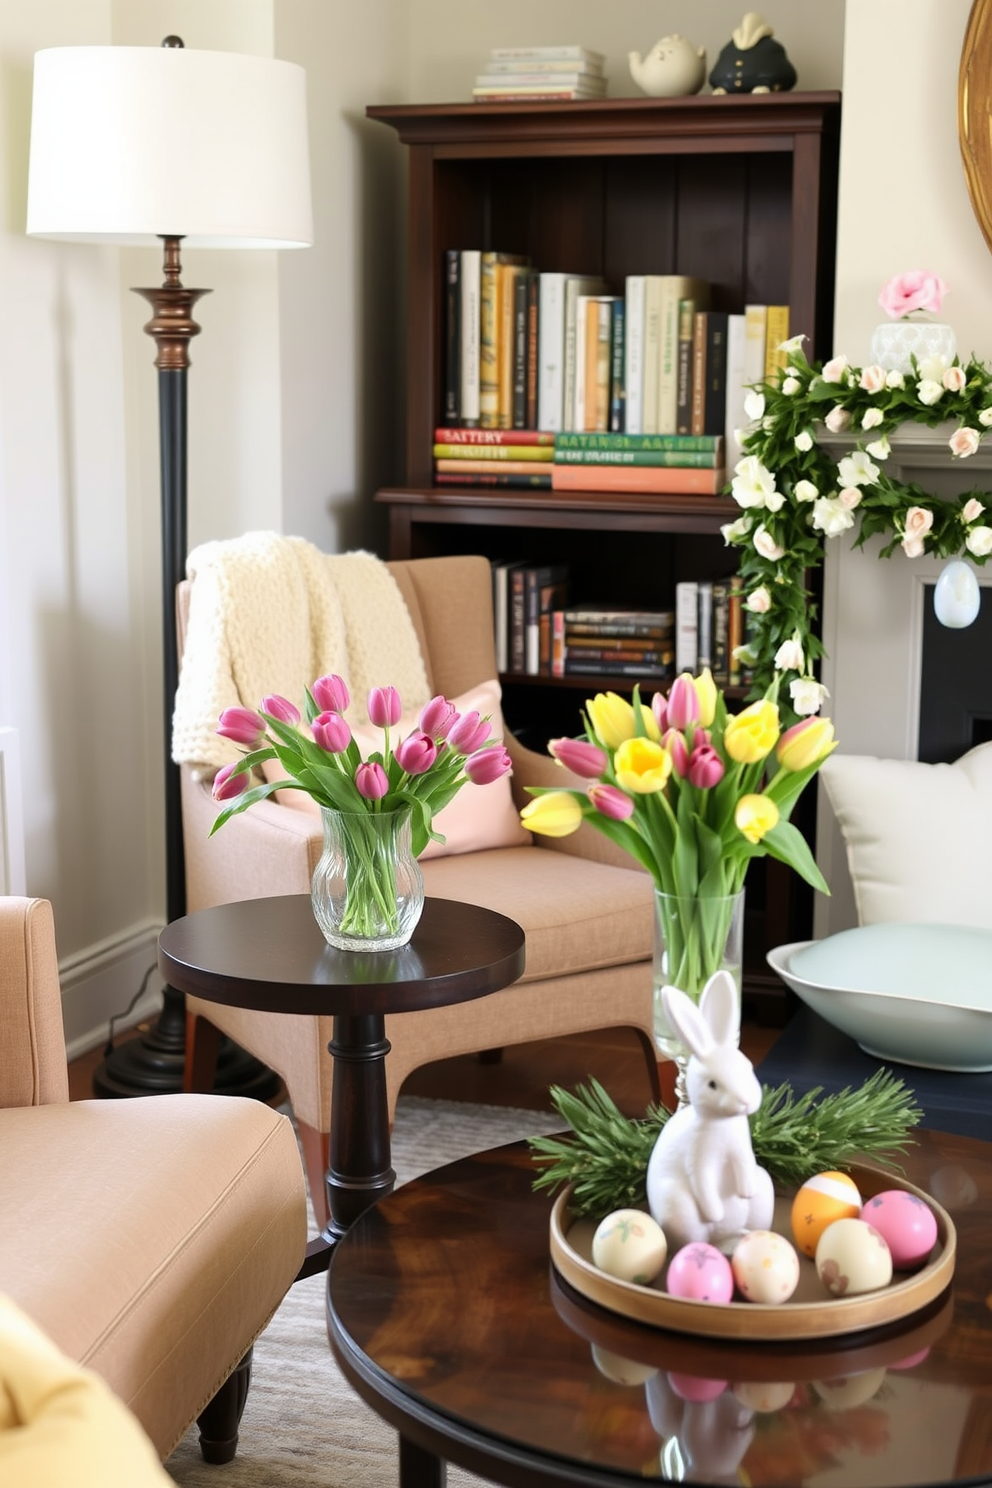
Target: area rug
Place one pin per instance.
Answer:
(303, 1424)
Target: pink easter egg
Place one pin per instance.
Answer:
(695, 1388)
(700, 1273)
(907, 1225)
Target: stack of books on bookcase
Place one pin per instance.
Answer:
(710, 624)
(525, 596)
(540, 74)
(613, 641)
(684, 463)
(557, 353)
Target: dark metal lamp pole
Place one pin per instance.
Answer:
(153, 1064)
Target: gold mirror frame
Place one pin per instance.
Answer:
(975, 113)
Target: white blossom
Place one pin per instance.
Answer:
(979, 541)
(791, 386)
(964, 442)
(933, 368)
(752, 483)
(894, 379)
(803, 441)
(872, 418)
(735, 531)
(849, 498)
(879, 449)
(830, 517)
(759, 601)
(873, 378)
(807, 696)
(985, 417)
(929, 391)
(972, 510)
(789, 656)
(805, 490)
(838, 419)
(955, 379)
(766, 545)
(834, 370)
(857, 470)
(794, 343)
(754, 405)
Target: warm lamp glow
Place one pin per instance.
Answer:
(130, 144)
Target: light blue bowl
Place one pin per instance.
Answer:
(919, 994)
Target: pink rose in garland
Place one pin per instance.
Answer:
(908, 293)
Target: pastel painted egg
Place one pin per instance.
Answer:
(762, 1397)
(696, 1389)
(700, 1273)
(818, 1203)
(630, 1245)
(620, 1370)
(765, 1267)
(906, 1223)
(852, 1257)
(850, 1390)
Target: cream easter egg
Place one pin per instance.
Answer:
(852, 1257)
(630, 1245)
(765, 1267)
(620, 1370)
(764, 1398)
(906, 1223)
(818, 1203)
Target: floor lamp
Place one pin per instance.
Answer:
(138, 145)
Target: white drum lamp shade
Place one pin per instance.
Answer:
(130, 144)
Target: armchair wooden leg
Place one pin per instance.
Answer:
(220, 1420)
(316, 1147)
(202, 1049)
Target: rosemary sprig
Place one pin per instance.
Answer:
(605, 1157)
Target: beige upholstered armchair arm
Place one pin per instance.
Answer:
(32, 1041)
(269, 849)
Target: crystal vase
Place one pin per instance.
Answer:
(367, 890)
(693, 938)
(895, 342)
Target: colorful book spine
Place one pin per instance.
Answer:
(488, 382)
(469, 349)
(652, 353)
(777, 331)
(677, 459)
(475, 452)
(506, 276)
(674, 287)
(618, 395)
(672, 442)
(661, 479)
(533, 349)
(715, 394)
(755, 336)
(648, 655)
(493, 478)
(480, 467)
(475, 437)
(614, 668)
(634, 354)
(620, 632)
(683, 409)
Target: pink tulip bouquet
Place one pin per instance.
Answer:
(693, 793)
(420, 773)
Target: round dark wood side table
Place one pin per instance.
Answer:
(269, 954)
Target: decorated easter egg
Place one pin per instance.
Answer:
(849, 1390)
(620, 1370)
(695, 1388)
(630, 1245)
(852, 1257)
(700, 1273)
(764, 1397)
(818, 1203)
(906, 1223)
(765, 1267)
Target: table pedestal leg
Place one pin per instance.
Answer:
(359, 1172)
(420, 1468)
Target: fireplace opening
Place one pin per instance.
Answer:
(955, 685)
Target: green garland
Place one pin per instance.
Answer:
(795, 492)
(605, 1157)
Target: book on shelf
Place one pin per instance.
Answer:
(626, 648)
(673, 288)
(657, 671)
(463, 466)
(545, 589)
(480, 438)
(683, 397)
(704, 624)
(690, 443)
(507, 275)
(534, 93)
(489, 334)
(735, 419)
(593, 371)
(517, 643)
(524, 331)
(452, 335)
(633, 371)
(469, 338)
(501, 572)
(755, 335)
(618, 622)
(577, 286)
(618, 394)
(544, 65)
(652, 354)
(663, 479)
(533, 348)
(500, 452)
(720, 629)
(498, 82)
(709, 372)
(776, 331)
(677, 459)
(570, 52)
(686, 625)
(494, 476)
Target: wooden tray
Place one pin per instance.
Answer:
(811, 1314)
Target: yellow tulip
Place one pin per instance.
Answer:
(557, 814)
(612, 718)
(706, 696)
(753, 733)
(806, 743)
(754, 816)
(642, 766)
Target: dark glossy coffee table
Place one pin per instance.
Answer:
(269, 954)
(446, 1316)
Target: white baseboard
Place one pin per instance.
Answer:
(99, 983)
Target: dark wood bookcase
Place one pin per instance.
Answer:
(739, 190)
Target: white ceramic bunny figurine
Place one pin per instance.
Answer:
(702, 1180)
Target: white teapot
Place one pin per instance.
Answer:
(672, 68)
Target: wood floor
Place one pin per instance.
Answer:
(522, 1076)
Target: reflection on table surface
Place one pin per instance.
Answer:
(447, 1286)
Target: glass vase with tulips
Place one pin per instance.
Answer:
(693, 793)
(410, 779)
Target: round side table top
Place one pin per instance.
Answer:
(269, 954)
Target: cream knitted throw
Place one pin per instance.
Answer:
(269, 614)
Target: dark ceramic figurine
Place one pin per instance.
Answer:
(752, 61)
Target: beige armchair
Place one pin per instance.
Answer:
(150, 1239)
(587, 912)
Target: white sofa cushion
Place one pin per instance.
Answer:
(918, 836)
